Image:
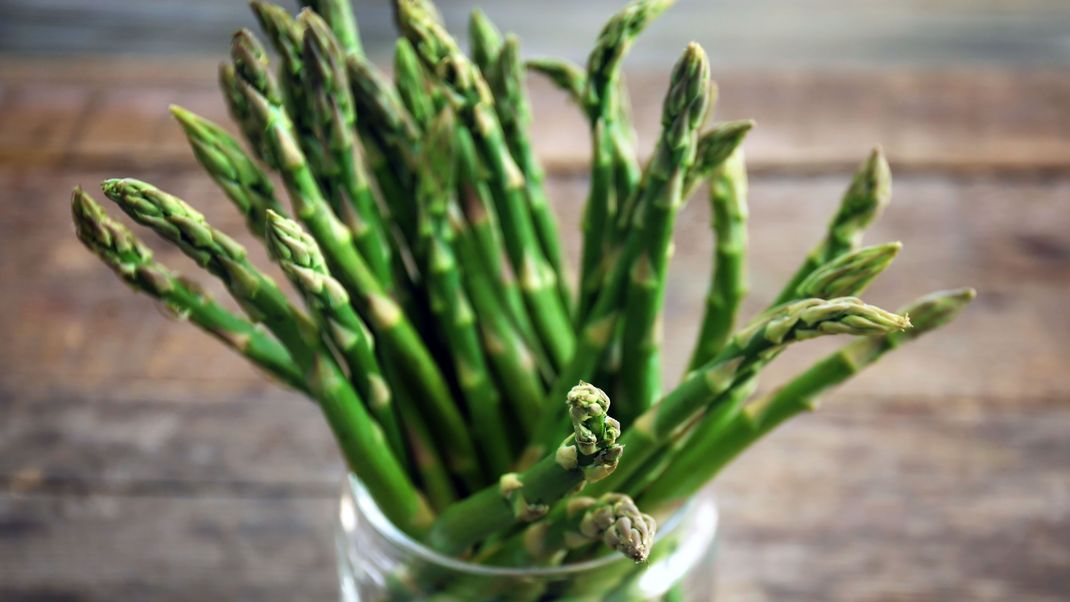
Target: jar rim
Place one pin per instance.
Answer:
(375, 517)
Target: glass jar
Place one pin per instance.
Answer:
(379, 563)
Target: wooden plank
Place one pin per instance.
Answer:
(952, 119)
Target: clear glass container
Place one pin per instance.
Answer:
(379, 563)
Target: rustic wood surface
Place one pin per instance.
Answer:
(141, 461)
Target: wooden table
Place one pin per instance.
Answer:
(140, 460)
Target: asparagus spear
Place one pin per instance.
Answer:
(613, 519)
(132, 261)
(301, 259)
(247, 186)
(589, 454)
(392, 327)
(714, 147)
(728, 283)
(339, 15)
(567, 76)
(412, 85)
(869, 192)
(251, 64)
(177, 222)
(484, 40)
(360, 438)
(511, 103)
(451, 306)
(474, 106)
(685, 108)
(602, 100)
(848, 274)
(747, 349)
(711, 449)
(333, 120)
(664, 176)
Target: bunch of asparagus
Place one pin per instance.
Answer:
(439, 333)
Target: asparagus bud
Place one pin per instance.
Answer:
(849, 274)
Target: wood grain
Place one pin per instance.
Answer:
(139, 460)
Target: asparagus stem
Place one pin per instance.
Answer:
(390, 324)
(728, 282)
(474, 106)
(588, 454)
(132, 261)
(612, 519)
(713, 445)
(868, 194)
(244, 183)
(339, 15)
(333, 119)
(685, 108)
(514, 112)
(849, 274)
(714, 148)
(746, 351)
(360, 438)
(602, 100)
(302, 261)
(568, 77)
(484, 40)
(412, 84)
(451, 306)
(660, 196)
(250, 64)
(258, 295)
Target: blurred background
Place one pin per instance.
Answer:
(140, 461)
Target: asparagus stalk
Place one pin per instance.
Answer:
(712, 448)
(568, 77)
(392, 327)
(664, 178)
(258, 295)
(587, 455)
(728, 283)
(451, 306)
(339, 15)
(333, 121)
(474, 106)
(868, 194)
(412, 84)
(746, 350)
(244, 183)
(301, 259)
(514, 111)
(714, 148)
(485, 41)
(602, 100)
(132, 261)
(250, 63)
(848, 274)
(612, 519)
(685, 108)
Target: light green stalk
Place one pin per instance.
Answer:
(588, 454)
(392, 327)
(868, 194)
(132, 261)
(220, 255)
(714, 445)
(485, 41)
(568, 77)
(474, 105)
(685, 109)
(450, 305)
(714, 147)
(848, 274)
(514, 111)
(339, 15)
(411, 82)
(664, 184)
(728, 283)
(603, 100)
(747, 350)
(244, 183)
(333, 121)
(302, 261)
(251, 64)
